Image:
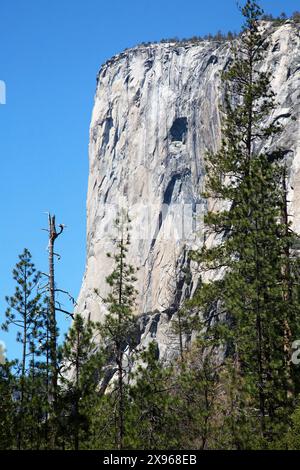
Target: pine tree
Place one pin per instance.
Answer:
(118, 326)
(42, 373)
(197, 394)
(291, 440)
(23, 313)
(81, 372)
(153, 419)
(7, 407)
(251, 239)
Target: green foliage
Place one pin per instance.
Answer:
(282, 18)
(117, 330)
(118, 325)
(7, 407)
(197, 392)
(81, 371)
(25, 313)
(24, 304)
(219, 37)
(296, 16)
(153, 407)
(292, 438)
(253, 307)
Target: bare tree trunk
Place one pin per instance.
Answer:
(47, 381)
(53, 234)
(77, 366)
(121, 403)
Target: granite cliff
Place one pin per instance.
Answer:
(156, 113)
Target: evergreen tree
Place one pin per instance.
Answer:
(23, 313)
(81, 371)
(251, 239)
(291, 440)
(7, 407)
(36, 407)
(197, 394)
(119, 324)
(153, 413)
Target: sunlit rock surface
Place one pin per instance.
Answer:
(155, 116)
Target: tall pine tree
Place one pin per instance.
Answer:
(23, 313)
(250, 240)
(119, 324)
(81, 372)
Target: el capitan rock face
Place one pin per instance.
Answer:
(155, 116)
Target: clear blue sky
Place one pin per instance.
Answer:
(51, 51)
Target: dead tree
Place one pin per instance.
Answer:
(53, 235)
(53, 306)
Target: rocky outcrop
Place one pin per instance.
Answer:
(156, 114)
